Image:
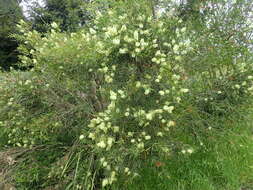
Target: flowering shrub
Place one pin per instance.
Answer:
(139, 115)
(126, 87)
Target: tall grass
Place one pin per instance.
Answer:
(224, 161)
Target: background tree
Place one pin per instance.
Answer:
(10, 14)
(69, 14)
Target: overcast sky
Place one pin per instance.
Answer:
(27, 3)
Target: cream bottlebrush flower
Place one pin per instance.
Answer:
(123, 28)
(100, 45)
(178, 99)
(121, 92)
(175, 48)
(140, 145)
(27, 82)
(149, 116)
(18, 144)
(163, 60)
(111, 106)
(105, 182)
(110, 12)
(175, 77)
(136, 35)
(159, 134)
(102, 127)
(113, 174)
(104, 164)
(183, 29)
(147, 91)
(104, 70)
(115, 129)
(162, 93)
(140, 17)
(166, 44)
(127, 39)
(114, 67)
(237, 86)
(110, 141)
(126, 170)
(98, 14)
(250, 89)
(102, 159)
(168, 108)
(137, 50)
(54, 25)
(154, 59)
(158, 53)
(92, 136)
(137, 44)
(92, 31)
(190, 151)
(171, 123)
(116, 41)
(101, 144)
(113, 95)
(184, 90)
(108, 79)
(123, 96)
(138, 84)
(111, 31)
(122, 50)
(142, 42)
(81, 137)
(130, 134)
(143, 133)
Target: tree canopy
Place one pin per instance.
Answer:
(10, 14)
(69, 14)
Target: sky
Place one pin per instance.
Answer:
(27, 3)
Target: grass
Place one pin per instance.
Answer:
(224, 163)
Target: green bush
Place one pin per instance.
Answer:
(128, 90)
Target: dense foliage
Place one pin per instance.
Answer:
(10, 14)
(69, 14)
(132, 88)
